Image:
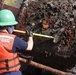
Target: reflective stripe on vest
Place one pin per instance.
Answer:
(8, 60)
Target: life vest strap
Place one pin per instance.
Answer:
(9, 67)
(9, 59)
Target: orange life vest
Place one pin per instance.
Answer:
(8, 60)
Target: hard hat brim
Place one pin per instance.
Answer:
(8, 23)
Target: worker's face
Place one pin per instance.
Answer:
(45, 25)
(11, 29)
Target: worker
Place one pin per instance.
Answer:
(10, 44)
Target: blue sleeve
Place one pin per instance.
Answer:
(19, 44)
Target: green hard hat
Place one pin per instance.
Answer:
(7, 18)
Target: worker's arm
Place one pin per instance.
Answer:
(30, 43)
(30, 40)
(20, 44)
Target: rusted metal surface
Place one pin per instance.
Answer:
(44, 50)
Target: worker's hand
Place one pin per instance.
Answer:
(29, 33)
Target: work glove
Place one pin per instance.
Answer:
(29, 33)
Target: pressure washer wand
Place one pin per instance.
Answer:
(35, 34)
